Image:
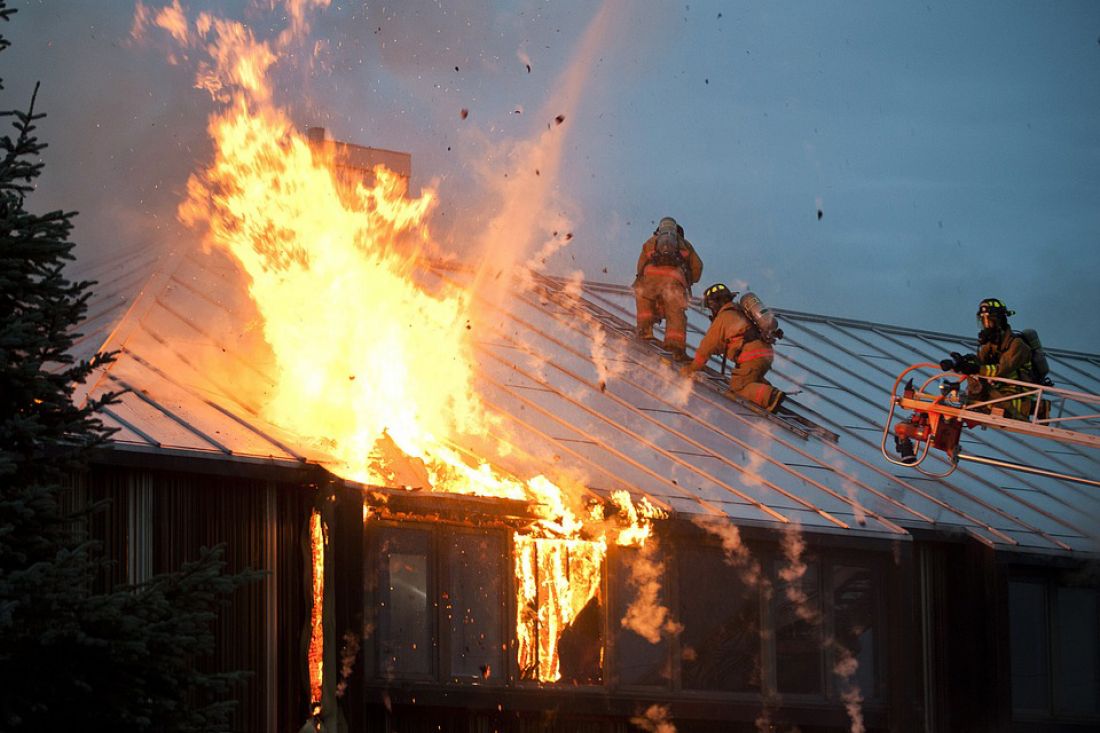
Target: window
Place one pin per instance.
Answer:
(1077, 651)
(1055, 649)
(854, 625)
(721, 617)
(472, 605)
(560, 610)
(1028, 628)
(638, 660)
(404, 611)
(796, 609)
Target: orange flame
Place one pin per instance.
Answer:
(371, 367)
(558, 578)
(317, 540)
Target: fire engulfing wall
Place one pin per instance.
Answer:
(445, 602)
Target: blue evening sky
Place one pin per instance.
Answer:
(952, 148)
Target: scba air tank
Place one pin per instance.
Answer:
(755, 309)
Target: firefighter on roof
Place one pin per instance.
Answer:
(667, 268)
(745, 340)
(1002, 353)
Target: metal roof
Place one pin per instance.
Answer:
(578, 394)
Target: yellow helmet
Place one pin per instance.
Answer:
(716, 296)
(992, 312)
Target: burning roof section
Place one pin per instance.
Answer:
(577, 395)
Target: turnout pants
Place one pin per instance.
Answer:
(1018, 408)
(659, 292)
(747, 380)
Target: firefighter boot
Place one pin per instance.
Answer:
(776, 400)
(906, 450)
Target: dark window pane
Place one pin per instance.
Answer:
(854, 622)
(721, 618)
(798, 648)
(1077, 651)
(404, 621)
(640, 661)
(473, 605)
(1029, 646)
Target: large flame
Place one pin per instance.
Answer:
(371, 367)
(361, 350)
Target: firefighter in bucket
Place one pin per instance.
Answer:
(1002, 353)
(667, 268)
(744, 332)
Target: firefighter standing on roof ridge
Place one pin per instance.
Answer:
(735, 334)
(667, 268)
(1001, 353)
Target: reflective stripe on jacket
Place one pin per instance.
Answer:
(726, 335)
(1006, 359)
(765, 352)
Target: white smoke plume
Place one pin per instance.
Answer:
(607, 366)
(794, 571)
(682, 389)
(846, 665)
(645, 615)
(845, 668)
(736, 554)
(530, 209)
(348, 653)
(655, 719)
(850, 489)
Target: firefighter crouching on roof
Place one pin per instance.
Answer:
(1001, 353)
(667, 268)
(733, 333)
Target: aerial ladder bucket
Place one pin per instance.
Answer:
(936, 420)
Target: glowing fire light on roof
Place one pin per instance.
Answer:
(371, 367)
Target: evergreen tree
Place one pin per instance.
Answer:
(70, 658)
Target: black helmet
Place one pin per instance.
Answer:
(992, 313)
(716, 296)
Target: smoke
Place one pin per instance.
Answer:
(645, 615)
(348, 653)
(530, 213)
(655, 719)
(607, 366)
(845, 668)
(850, 489)
(793, 573)
(681, 391)
(737, 555)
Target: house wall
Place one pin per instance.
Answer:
(1012, 641)
(159, 519)
(745, 654)
(954, 636)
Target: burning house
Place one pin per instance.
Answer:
(483, 506)
(614, 547)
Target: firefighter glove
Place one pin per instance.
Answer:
(967, 364)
